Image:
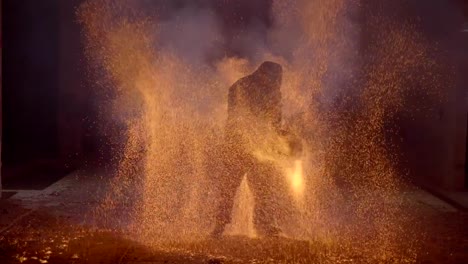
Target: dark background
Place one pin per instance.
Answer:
(30, 84)
(48, 111)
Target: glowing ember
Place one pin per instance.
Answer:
(173, 108)
(296, 178)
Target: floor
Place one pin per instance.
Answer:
(53, 226)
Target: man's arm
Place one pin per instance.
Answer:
(294, 142)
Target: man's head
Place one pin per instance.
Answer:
(271, 71)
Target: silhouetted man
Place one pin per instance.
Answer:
(254, 141)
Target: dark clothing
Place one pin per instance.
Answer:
(254, 105)
(252, 129)
(260, 176)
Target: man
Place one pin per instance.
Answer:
(254, 144)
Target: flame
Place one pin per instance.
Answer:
(296, 178)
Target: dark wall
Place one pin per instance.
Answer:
(426, 133)
(30, 82)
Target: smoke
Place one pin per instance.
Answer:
(169, 65)
(192, 33)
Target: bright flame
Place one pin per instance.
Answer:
(296, 177)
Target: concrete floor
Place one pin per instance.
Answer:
(51, 226)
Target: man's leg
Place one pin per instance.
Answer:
(264, 177)
(230, 182)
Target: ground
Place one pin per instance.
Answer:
(50, 226)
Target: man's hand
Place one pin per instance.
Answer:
(294, 143)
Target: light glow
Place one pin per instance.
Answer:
(296, 178)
